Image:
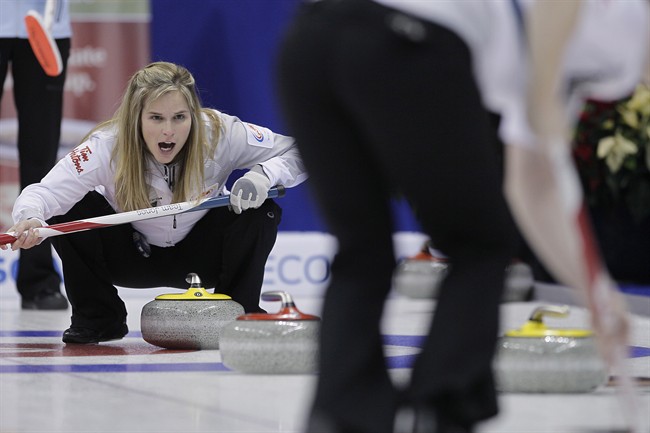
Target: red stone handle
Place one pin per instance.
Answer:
(288, 309)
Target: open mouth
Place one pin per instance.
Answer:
(166, 146)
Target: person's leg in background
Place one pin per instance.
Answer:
(223, 248)
(96, 262)
(39, 103)
(98, 313)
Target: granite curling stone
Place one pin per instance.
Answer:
(191, 320)
(539, 359)
(285, 342)
(420, 276)
(519, 283)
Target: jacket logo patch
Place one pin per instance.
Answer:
(258, 136)
(79, 156)
(255, 132)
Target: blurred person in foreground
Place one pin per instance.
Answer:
(395, 96)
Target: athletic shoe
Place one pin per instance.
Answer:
(79, 335)
(45, 301)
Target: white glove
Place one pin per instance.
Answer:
(250, 190)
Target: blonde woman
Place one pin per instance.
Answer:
(161, 147)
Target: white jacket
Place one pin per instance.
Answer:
(88, 167)
(605, 59)
(12, 18)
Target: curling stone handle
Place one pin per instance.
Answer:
(550, 311)
(283, 297)
(288, 310)
(194, 280)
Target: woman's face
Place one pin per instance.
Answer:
(166, 124)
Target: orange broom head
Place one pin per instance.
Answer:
(43, 45)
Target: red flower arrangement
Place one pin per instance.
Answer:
(611, 149)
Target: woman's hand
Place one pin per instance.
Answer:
(611, 325)
(25, 233)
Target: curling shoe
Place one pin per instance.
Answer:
(45, 301)
(79, 335)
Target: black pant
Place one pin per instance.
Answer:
(227, 251)
(379, 108)
(39, 103)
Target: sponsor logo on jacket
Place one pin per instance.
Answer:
(78, 156)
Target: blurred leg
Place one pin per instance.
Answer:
(419, 129)
(39, 102)
(354, 390)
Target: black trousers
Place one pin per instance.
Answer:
(39, 103)
(227, 251)
(387, 105)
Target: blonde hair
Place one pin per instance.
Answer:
(130, 151)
